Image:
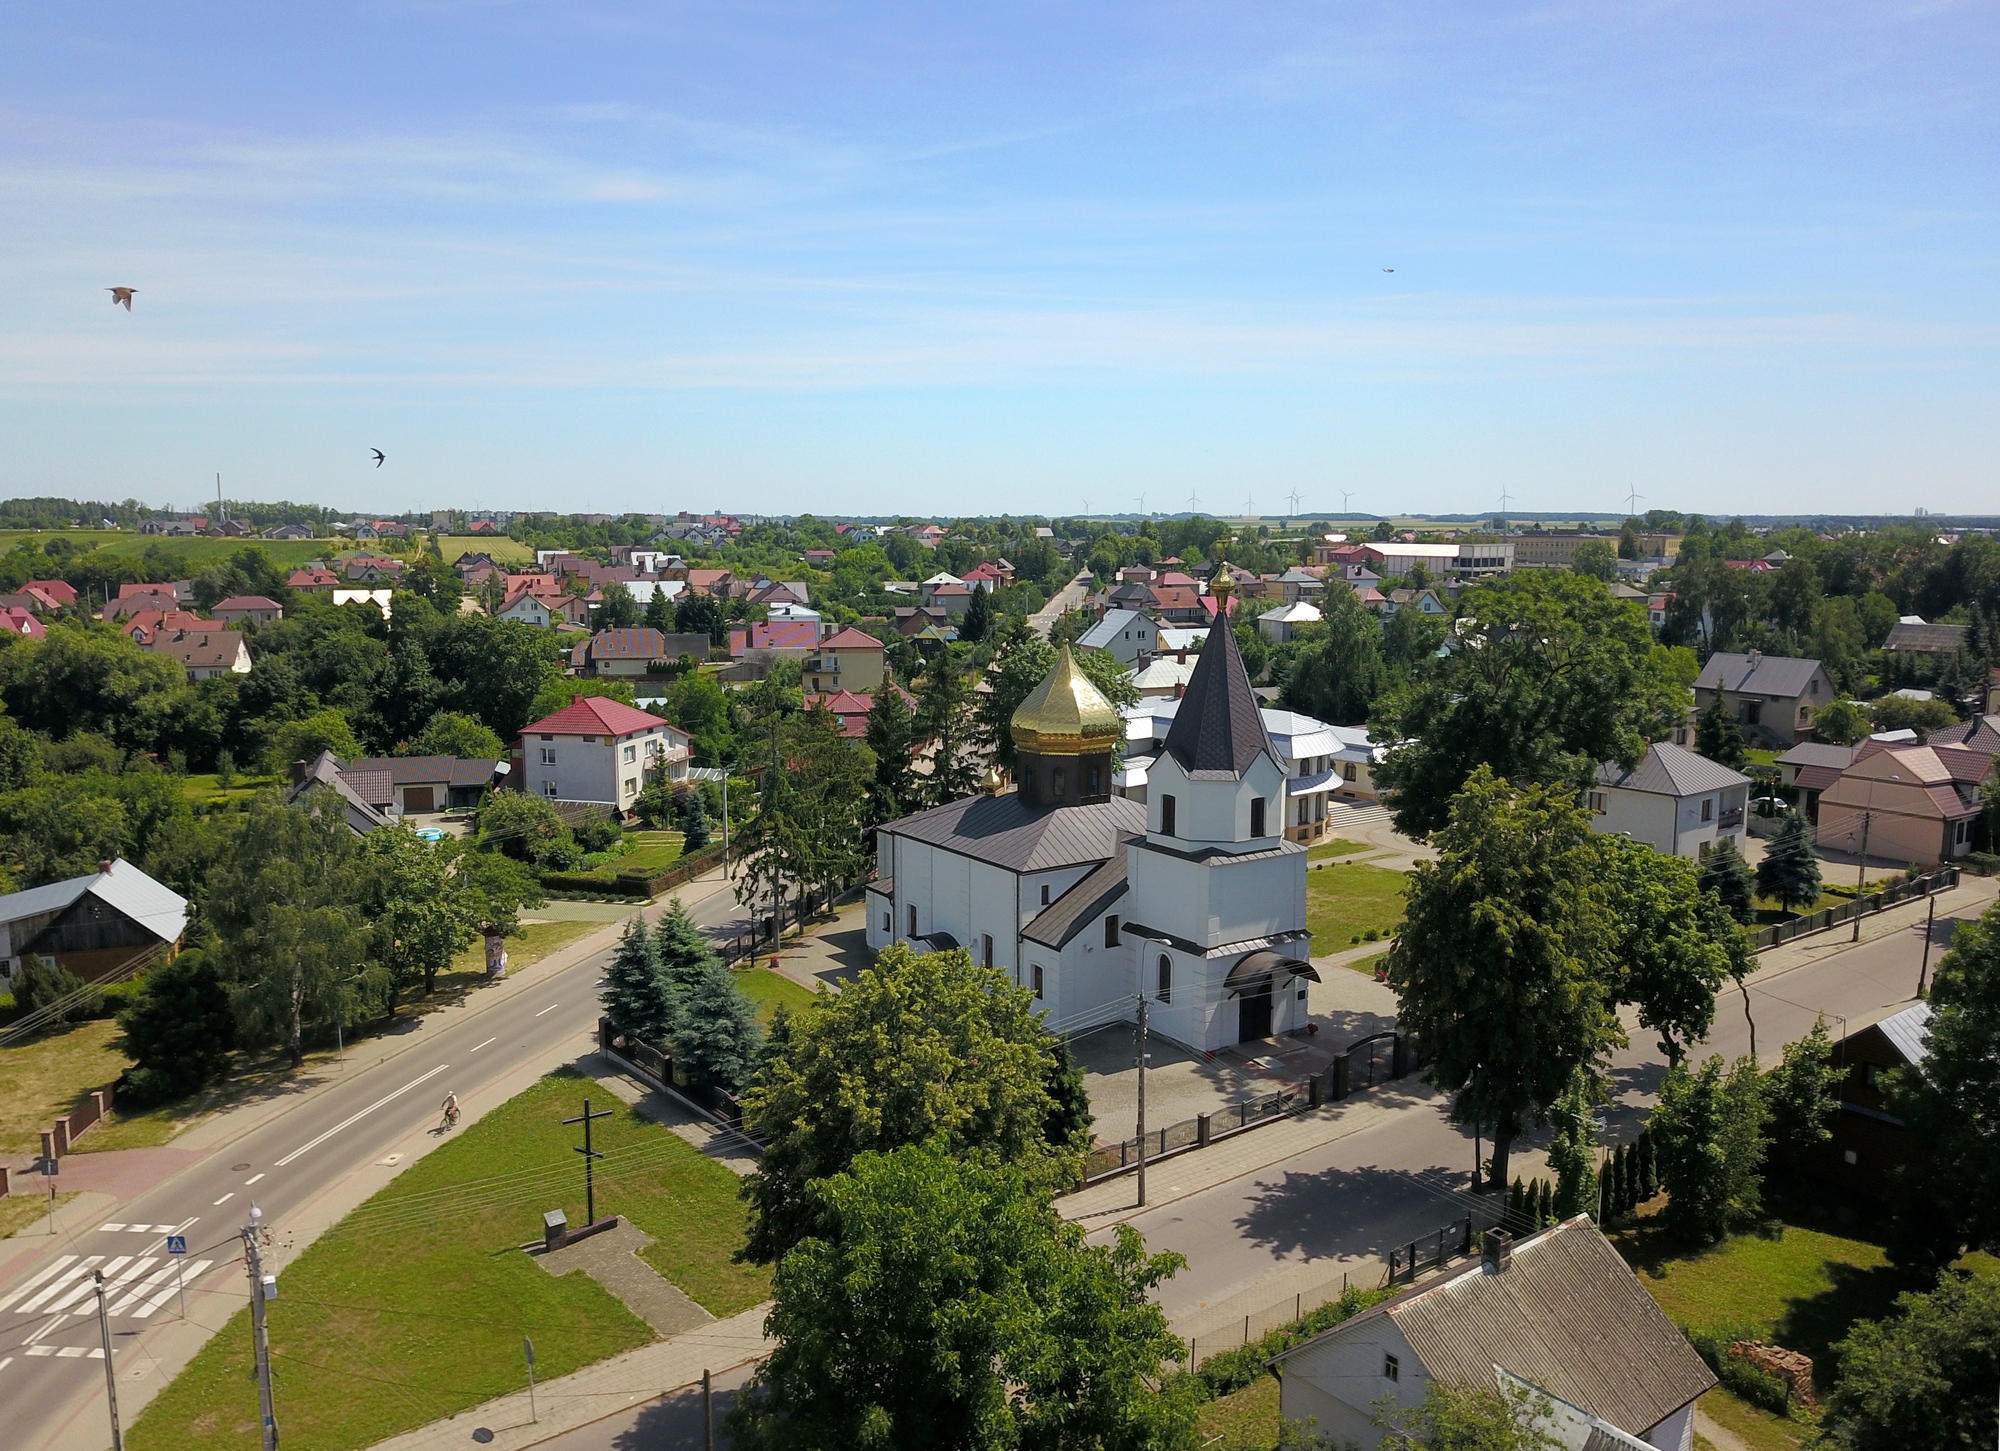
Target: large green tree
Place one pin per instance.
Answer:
(418, 905)
(947, 1305)
(636, 997)
(1548, 676)
(1951, 1101)
(1718, 737)
(1708, 1133)
(917, 1047)
(1504, 967)
(1336, 671)
(1673, 948)
(1927, 1376)
(892, 740)
(178, 1030)
(945, 710)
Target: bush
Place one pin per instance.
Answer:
(1232, 1370)
(1982, 864)
(40, 985)
(1738, 1376)
(179, 1028)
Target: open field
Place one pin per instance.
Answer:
(204, 789)
(502, 549)
(197, 552)
(1346, 899)
(645, 851)
(413, 1308)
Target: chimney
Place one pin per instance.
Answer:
(1180, 689)
(1756, 658)
(1496, 1250)
(298, 771)
(103, 866)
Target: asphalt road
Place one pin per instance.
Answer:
(1260, 1238)
(51, 1362)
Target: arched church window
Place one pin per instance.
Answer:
(1166, 989)
(1166, 816)
(1257, 816)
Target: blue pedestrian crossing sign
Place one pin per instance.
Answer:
(177, 1244)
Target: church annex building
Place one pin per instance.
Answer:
(1192, 897)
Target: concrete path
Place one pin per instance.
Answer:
(611, 1257)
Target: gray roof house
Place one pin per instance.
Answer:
(1676, 802)
(1559, 1315)
(1127, 634)
(93, 925)
(1774, 696)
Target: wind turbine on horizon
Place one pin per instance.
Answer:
(1632, 498)
(1293, 499)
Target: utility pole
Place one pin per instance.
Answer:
(1142, 1095)
(1867, 819)
(707, 1414)
(590, 1158)
(1924, 972)
(110, 1375)
(260, 1291)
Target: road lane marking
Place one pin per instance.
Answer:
(82, 1266)
(41, 1350)
(181, 1228)
(166, 1292)
(224, 1199)
(488, 1042)
(50, 1273)
(357, 1117)
(251, 1180)
(549, 1009)
(6, 1361)
(111, 1228)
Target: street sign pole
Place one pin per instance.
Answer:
(529, 1346)
(49, 1173)
(177, 1248)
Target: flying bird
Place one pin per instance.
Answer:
(1388, 269)
(122, 294)
(380, 457)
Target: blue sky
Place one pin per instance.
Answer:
(1033, 257)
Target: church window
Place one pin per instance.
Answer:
(1257, 816)
(913, 919)
(1111, 930)
(1056, 783)
(1045, 894)
(1096, 777)
(888, 921)
(1166, 990)
(1166, 816)
(1038, 980)
(986, 949)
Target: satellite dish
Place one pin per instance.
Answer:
(501, 768)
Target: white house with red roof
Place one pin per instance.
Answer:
(598, 750)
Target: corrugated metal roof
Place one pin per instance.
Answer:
(1671, 770)
(1081, 904)
(1100, 635)
(1010, 832)
(1818, 753)
(1907, 1030)
(1922, 639)
(159, 909)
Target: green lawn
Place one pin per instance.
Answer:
(1345, 899)
(203, 789)
(45, 1076)
(649, 851)
(193, 552)
(1335, 846)
(1246, 1420)
(1754, 1426)
(1797, 1287)
(771, 991)
(25, 1211)
(413, 1308)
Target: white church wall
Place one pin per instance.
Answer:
(1215, 813)
(1218, 901)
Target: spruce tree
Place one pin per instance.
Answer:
(717, 1040)
(684, 953)
(635, 996)
(1726, 874)
(1517, 1208)
(1718, 737)
(1649, 1184)
(1789, 873)
(660, 611)
(978, 622)
(1614, 1184)
(694, 824)
(1547, 1210)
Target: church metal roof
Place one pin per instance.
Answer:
(1081, 905)
(1218, 727)
(1007, 831)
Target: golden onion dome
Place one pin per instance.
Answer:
(1066, 715)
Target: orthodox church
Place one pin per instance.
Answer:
(1192, 897)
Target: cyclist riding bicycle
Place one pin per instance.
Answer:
(451, 1110)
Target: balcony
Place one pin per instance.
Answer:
(1730, 819)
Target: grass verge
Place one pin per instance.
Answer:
(1348, 899)
(43, 1078)
(1755, 1428)
(1335, 846)
(26, 1210)
(413, 1308)
(1245, 1420)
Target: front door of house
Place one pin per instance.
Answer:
(1253, 1018)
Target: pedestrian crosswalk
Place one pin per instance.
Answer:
(135, 1286)
(114, 1227)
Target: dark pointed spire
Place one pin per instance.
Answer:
(1218, 726)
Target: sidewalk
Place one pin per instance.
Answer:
(596, 1391)
(1966, 901)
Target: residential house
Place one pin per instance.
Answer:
(851, 707)
(639, 651)
(399, 786)
(848, 660)
(257, 609)
(95, 926)
(59, 592)
(1135, 594)
(912, 620)
(142, 627)
(820, 558)
(774, 640)
(780, 594)
(713, 582)
(173, 528)
(1870, 1143)
(1809, 768)
(954, 599)
(1278, 625)
(1981, 733)
(317, 580)
(1307, 749)
(160, 598)
(379, 598)
(995, 575)
(1298, 585)
(530, 608)
(1774, 696)
(205, 652)
(1179, 604)
(598, 750)
(229, 529)
(1911, 639)
(1676, 802)
(307, 776)
(792, 612)
(928, 535)
(1164, 677)
(19, 620)
(288, 532)
(1905, 804)
(1423, 601)
(372, 569)
(380, 529)
(1559, 1315)
(1127, 634)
